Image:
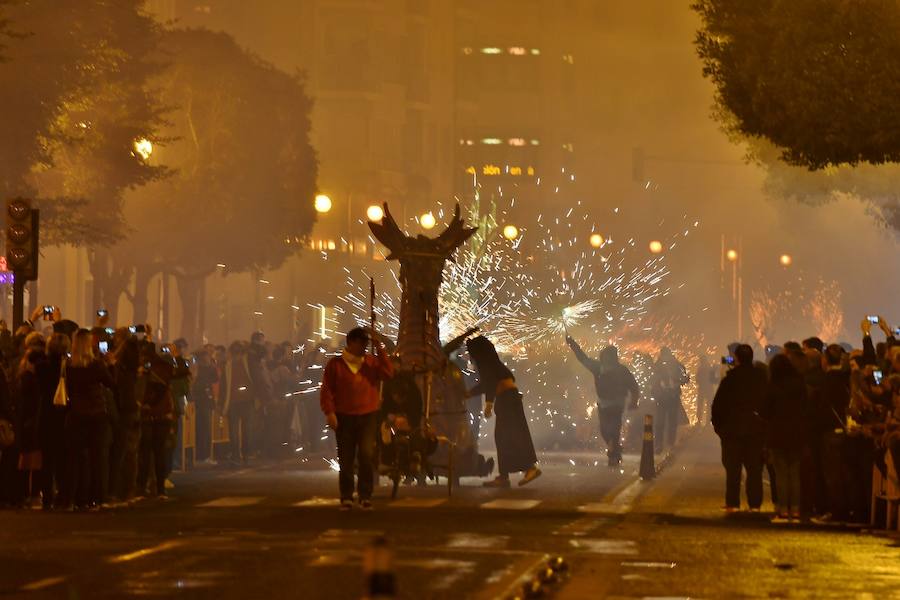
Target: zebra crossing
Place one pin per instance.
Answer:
(412, 502)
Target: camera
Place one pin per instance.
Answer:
(137, 329)
(49, 310)
(879, 376)
(109, 331)
(166, 350)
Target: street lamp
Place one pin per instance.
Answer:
(656, 246)
(323, 203)
(731, 255)
(427, 221)
(786, 260)
(596, 240)
(143, 148)
(510, 232)
(375, 213)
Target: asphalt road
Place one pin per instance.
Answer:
(274, 531)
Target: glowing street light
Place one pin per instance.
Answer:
(656, 246)
(427, 221)
(596, 240)
(323, 203)
(375, 213)
(510, 232)
(731, 255)
(786, 260)
(143, 148)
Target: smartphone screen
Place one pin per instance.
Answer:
(104, 347)
(873, 319)
(879, 376)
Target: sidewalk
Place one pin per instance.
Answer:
(676, 543)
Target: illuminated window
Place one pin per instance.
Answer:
(535, 142)
(568, 58)
(517, 51)
(535, 52)
(531, 171)
(491, 51)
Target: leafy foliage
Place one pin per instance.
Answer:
(819, 79)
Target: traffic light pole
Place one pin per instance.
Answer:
(18, 300)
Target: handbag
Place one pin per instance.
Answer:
(61, 396)
(7, 433)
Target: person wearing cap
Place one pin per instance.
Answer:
(350, 400)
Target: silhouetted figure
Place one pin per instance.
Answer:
(615, 385)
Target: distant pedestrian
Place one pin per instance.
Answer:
(737, 418)
(350, 400)
(515, 448)
(668, 377)
(616, 387)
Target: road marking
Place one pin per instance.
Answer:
(41, 584)
(418, 502)
(476, 540)
(317, 501)
(509, 504)
(145, 551)
(604, 546)
(232, 502)
(604, 508)
(650, 565)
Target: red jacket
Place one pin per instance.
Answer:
(349, 393)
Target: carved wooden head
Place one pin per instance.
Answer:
(421, 258)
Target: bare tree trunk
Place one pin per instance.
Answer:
(189, 293)
(141, 302)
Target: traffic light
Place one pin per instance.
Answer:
(22, 238)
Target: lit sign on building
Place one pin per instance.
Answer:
(494, 170)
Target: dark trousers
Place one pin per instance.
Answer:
(53, 471)
(204, 429)
(668, 412)
(743, 454)
(87, 443)
(356, 443)
(611, 430)
(240, 416)
(156, 445)
(124, 456)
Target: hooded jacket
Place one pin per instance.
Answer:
(613, 381)
(739, 405)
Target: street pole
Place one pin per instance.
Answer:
(18, 299)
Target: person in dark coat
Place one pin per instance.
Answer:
(668, 377)
(87, 425)
(788, 415)
(51, 430)
(615, 385)
(737, 419)
(127, 431)
(157, 421)
(515, 448)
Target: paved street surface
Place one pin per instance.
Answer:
(274, 532)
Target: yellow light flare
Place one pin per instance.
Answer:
(322, 203)
(143, 148)
(375, 213)
(656, 247)
(731, 255)
(786, 260)
(427, 221)
(510, 232)
(596, 240)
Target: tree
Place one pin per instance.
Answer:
(819, 79)
(245, 171)
(80, 70)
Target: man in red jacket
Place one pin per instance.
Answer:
(350, 401)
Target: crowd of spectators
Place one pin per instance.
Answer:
(94, 417)
(818, 416)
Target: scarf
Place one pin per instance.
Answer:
(354, 362)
